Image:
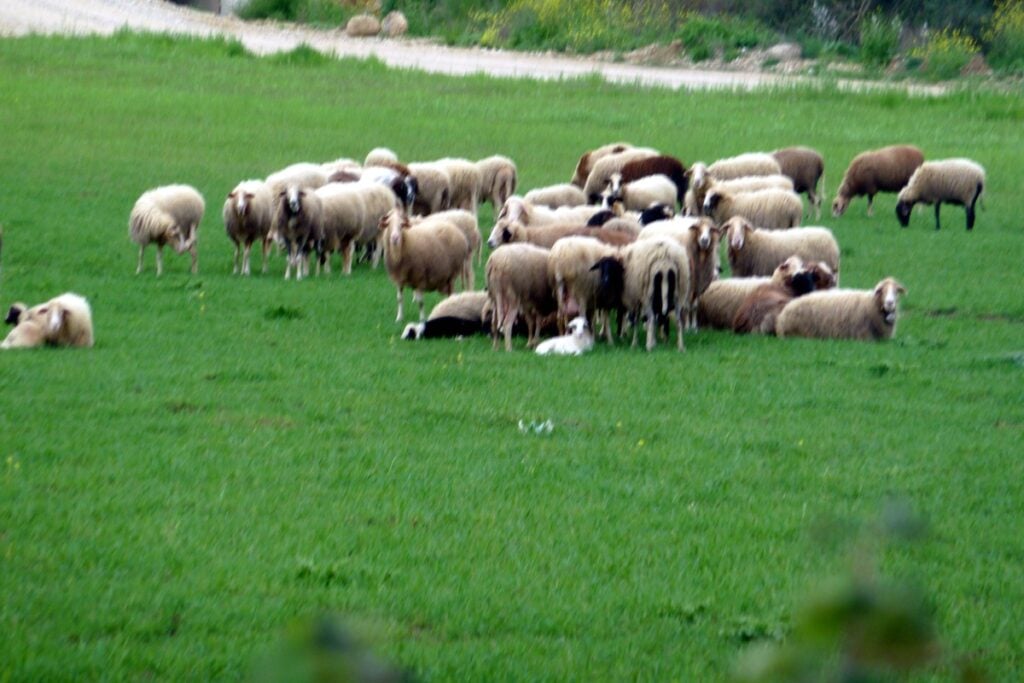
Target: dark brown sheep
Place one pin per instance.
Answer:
(881, 170)
(661, 164)
(805, 167)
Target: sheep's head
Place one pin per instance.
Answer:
(839, 205)
(824, 278)
(903, 208)
(705, 234)
(241, 200)
(503, 233)
(698, 175)
(785, 272)
(293, 199)
(737, 228)
(711, 201)
(578, 327)
(887, 295)
(615, 183)
(610, 281)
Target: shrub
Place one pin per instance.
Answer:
(879, 39)
(323, 12)
(1005, 37)
(945, 54)
(702, 36)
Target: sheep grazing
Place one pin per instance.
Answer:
(662, 164)
(639, 194)
(755, 252)
(717, 307)
(769, 209)
(843, 313)
(434, 185)
(498, 180)
(657, 285)
(953, 181)
(554, 196)
(579, 340)
(297, 224)
(426, 257)
(881, 170)
(247, 214)
(519, 285)
(65, 320)
(380, 156)
(588, 159)
(465, 180)
(758, 312)
(751, 163)
(167, 215)
(602, 172)
(693, 203)
(459, 315)
(806, 168)
(570, 269)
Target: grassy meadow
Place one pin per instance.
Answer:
(238, 455)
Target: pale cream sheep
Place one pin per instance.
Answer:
(465, 180)
(657, 285)
(167, 215)
(380, 156)
(843, 313)
(498, 180)
(554, 196)
(641, 193)
(248, 214)
(571, 271)
(752, 251)
(65, 320)
(467, 223)
(953, 181)
(433, 187)
(518, 283)
(770, 209)
(588, 159)
(751, 163)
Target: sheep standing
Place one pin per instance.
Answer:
(65, 320)
(518, 283)
(304, 175)
(662, 164)
(751, 163)
(602, 172)
(247, 215)
(498, 180)
(425, 257)
(639, 194)
(657, 285)
(554, 196)
(577, 341)
(699, 237)
(843, 313)
(380, 156)
(953, 181)
(459, 315)
(167, 215)
(297, 224)
(588, 159)
(755, 252)
(769, 209)
(881, 170)
(467, 223)
(805, 167)
(570, 269)
(464, 183)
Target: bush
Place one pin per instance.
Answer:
(879, 40)
(322, 12)
(945, 54)
(1005, 37)
(703, 36)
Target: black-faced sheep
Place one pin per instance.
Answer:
(805, 167)
(769, 209)
(427, 257)
(498, 180)
(602, 172)
(247, 214)
(570, 269)
(459, 315)
(167, 215)
(953, 181)
(843, 313)
(665, 165)
(65, 320)
(519, 285)
(758, 312)
(753, 252)
(657, 285)
(588, 159)
(751, 163)
(881, 170)
(297, 224)
(554, 196)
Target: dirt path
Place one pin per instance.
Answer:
(20, 17)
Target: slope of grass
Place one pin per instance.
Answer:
(235, 454)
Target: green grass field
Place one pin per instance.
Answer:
(236, 455)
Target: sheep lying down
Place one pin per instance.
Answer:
(65, 320)
(579, 340)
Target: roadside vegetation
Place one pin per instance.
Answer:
(238, 456)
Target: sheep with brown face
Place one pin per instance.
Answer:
(247, 214)
(880, 170)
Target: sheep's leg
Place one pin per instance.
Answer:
(346, 251)
(138, 268)
(652, 331)
(266, 252)
(245, 259)
(159, 260)
(937, 205)
(680, 344)
(417, 296)
(289, 261)
(871, 205)
(195, 258)
(234, 259)
(400, 315)
(969, 209)
(510, 321)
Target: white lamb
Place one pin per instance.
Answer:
(64, 320)
(579, 340)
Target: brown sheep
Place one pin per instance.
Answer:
(588, 159)
(881, 170)
(805, 167)
(661, 164)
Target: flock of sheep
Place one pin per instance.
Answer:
(632, 238)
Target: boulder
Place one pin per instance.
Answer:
(784, 52)
(395, 24)
(362, 26)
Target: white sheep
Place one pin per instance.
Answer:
(304, 175)
(588, 159)
(751, 163)
(167, 215)
(340, 167)
(953, 181)
(577, 341)
(350, 216)
(700, 238)
(426, 257)
(458, 315)
(64, 320)
(753, 252)
(519, 285)
(434, 187)
(554, 196)
(380, 156)
(641, 193)
(467, 223)
(703, 182)
(601, 174)
(770, 209)
(498, 180)
(571, 272)
(543, 235)
(843, 313)
(297, 224)
(247, 214)
(464, 183)
(879, 170)
(657, 285)
(518, 210)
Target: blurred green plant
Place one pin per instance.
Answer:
(945, 54)
(879, 39)
(1004, 36)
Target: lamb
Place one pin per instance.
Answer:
(588, 159)
(425, 257)
(662, 164)
(657, 284)
(465, 180)
(751, 163)
(167, 215)
(769, 209)
(570, 269)
(65, 320)
(459, 315)
(579, 340)
(297, 224)
(498, 180)
(380, 156)
(639, 194)
(758, 312)
(434, 185)
(806, 167)
(881, 170)
(519, 285)
(843, 313)
(755, 252)
(554, 196)
(467, 223)
(247, 215)
(954, 181)
(602, 172)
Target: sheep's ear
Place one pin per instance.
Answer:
(56, 318)
(899, 287)
(231, 195)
